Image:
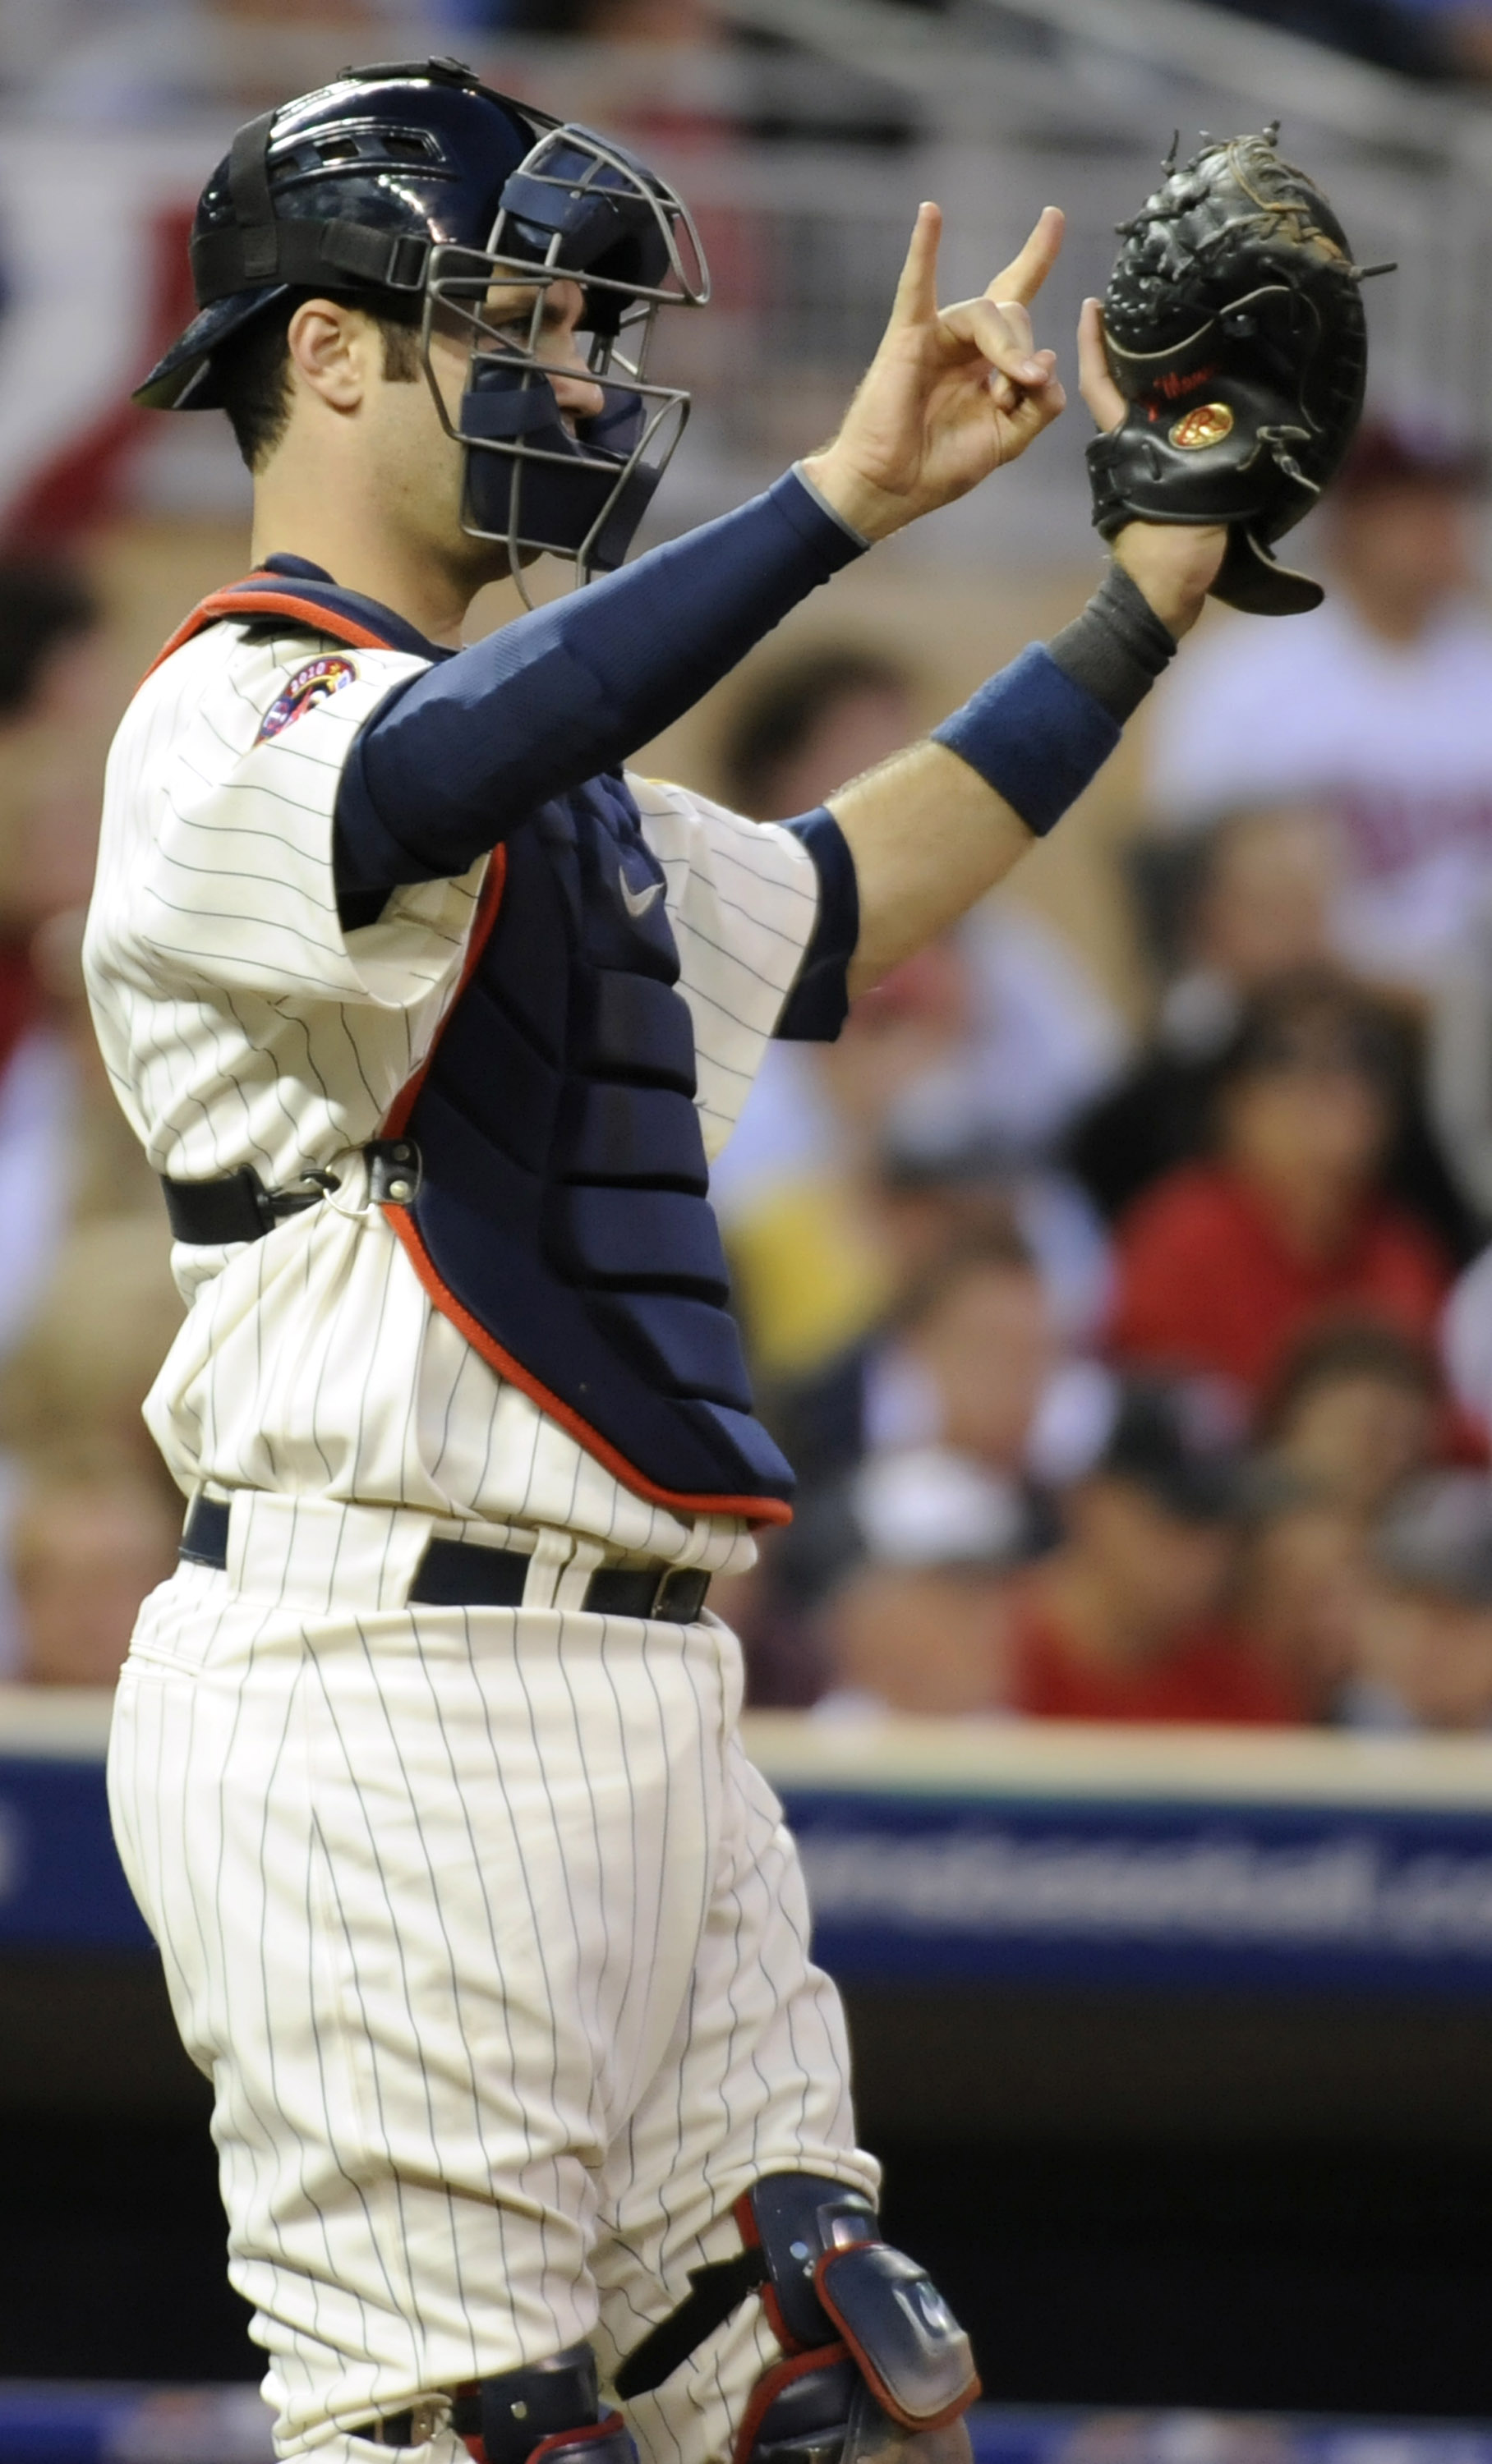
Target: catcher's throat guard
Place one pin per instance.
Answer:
(1234, 330)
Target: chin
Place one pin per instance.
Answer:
(482, 560)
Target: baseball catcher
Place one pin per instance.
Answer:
(1234, 331)
(532, 2108)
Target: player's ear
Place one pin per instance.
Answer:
(334, 352)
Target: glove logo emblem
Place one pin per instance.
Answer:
(1208, 424)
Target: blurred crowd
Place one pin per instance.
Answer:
(88, 1517)
(1427, 38)
(1147, 1375)
(1135, 1366)
(1440, 39)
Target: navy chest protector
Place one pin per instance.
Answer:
(563, 1220)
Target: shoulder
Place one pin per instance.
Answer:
(1402, 1240)
(262, 657)
(1194, 1198)
(1233, 1682)
(1249, 654)
(1465, 632)
(1209, 713)
(240, 688)
(678, 819)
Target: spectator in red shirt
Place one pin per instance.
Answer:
(1122, 1621)
(1225, 1264)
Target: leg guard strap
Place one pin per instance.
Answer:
(714, 2292)
(546, 2412)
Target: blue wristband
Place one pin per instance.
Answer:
(1035, 736)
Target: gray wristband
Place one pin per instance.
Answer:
(833, 511)
(1117, 648)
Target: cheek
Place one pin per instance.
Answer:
(449, 363)
(423, 465)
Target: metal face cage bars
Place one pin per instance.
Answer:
(578, 209)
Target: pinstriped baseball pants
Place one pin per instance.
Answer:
(494, 1945)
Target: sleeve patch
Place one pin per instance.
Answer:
(315, 682)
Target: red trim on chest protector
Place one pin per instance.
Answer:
(226, 604)
(223, 605)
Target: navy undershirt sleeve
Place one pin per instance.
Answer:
(818, 1003)
(1036, 734)
(454, 759)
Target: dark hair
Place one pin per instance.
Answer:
(997, 1243)
(776, 720)
(1354, 1347)
(41, 607)
(254, 364)
(1315, 1015)
(1176, 1439)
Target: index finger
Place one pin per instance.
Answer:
(1024, 276)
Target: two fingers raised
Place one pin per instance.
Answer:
(998, 324)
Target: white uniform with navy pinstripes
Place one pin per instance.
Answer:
(492, 1941)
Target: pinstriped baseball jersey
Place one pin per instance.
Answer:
(241, 1024)
(492, 1942)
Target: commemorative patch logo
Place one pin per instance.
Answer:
(316, 681)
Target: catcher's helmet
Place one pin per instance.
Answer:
(417, 180)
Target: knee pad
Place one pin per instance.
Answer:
(875, 2365)
(549, 2410)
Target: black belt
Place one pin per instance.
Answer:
(459, 1575)
(238, 1207)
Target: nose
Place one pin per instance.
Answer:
(575, 388)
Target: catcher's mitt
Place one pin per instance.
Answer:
(1235, 329)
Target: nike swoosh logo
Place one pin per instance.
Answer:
(637, 901)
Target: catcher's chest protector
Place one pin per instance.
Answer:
(561, 1220)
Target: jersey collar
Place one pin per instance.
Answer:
(323, 591)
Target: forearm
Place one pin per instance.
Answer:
(943, 822)
(452, 761)
(928, 836)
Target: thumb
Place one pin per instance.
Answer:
(916, 300)
(1097, 385)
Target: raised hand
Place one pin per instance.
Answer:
(1173, 563)
(952, 393)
